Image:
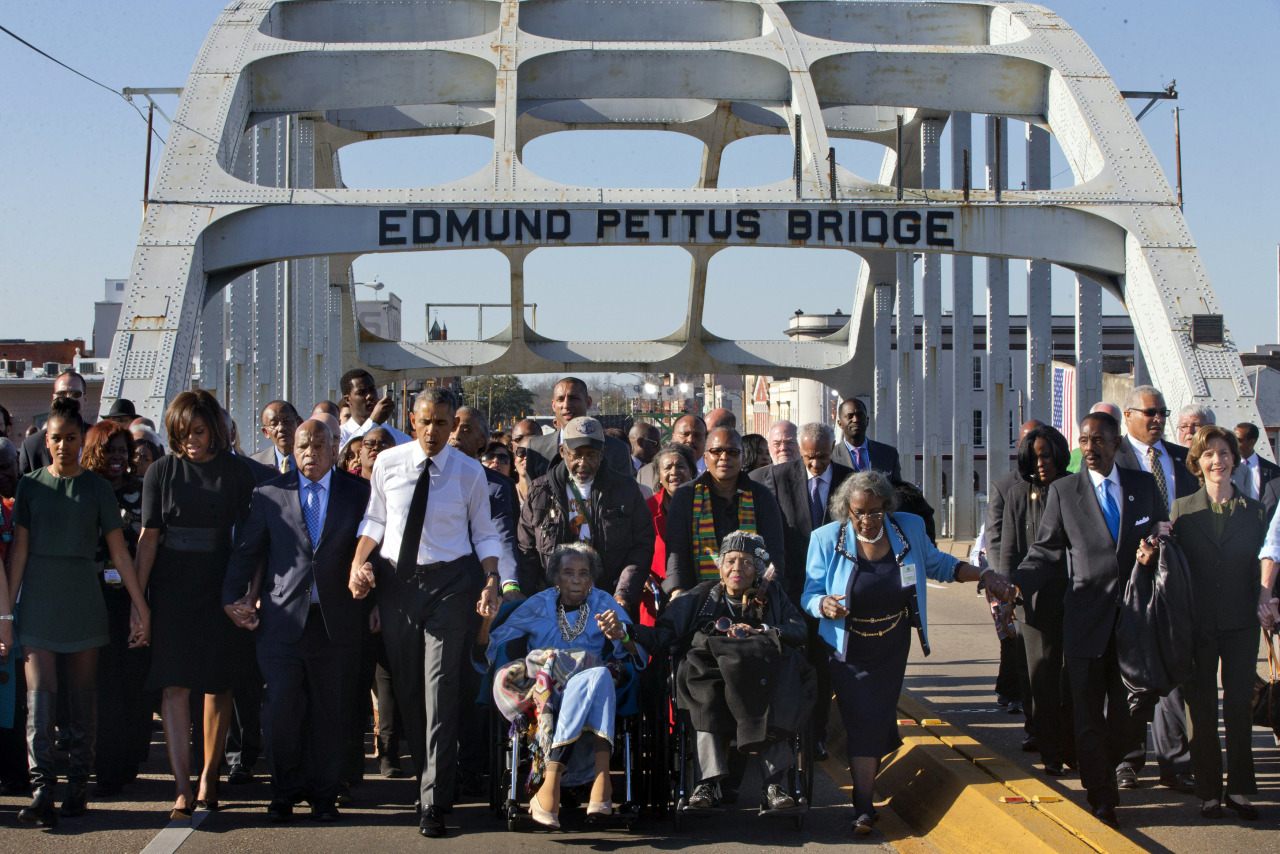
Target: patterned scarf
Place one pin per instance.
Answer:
(705, 545)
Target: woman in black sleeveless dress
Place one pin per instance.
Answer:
(191, 500)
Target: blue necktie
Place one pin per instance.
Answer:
(311, 511)
(1110, 510)
(816, 510)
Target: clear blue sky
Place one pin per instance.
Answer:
(71, 164)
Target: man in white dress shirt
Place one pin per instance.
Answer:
(367, 409)
(425, 498)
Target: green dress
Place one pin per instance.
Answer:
(61, 607)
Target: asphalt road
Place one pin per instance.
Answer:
(958, 680)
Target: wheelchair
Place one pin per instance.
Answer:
(639, 753)
(682, 765)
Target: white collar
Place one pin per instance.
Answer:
(1096, 478)
(825, 477)
(303, 480)
(1140, 447)
(441, 459)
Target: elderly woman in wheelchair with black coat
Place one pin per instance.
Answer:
(564, 689)
(739, 671)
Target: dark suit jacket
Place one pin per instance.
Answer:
(682, 568)
(1184, 482)
(884, 458)
(1014, 526)
(1271, 498)
(263, 472)
(1224, 571)
(789, 483)
(503, 508)
(277, 532)
(544, 452)
(267, 457)
(1074, 528)
(33, 454)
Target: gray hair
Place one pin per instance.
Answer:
(476, 416)
(815, 431)
(676, 449)
(1133, 400)
(1202, 413)
(868, 482)
(436, 396)
(556, 561)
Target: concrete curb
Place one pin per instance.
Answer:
(949, 788)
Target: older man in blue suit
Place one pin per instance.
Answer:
(301, 532)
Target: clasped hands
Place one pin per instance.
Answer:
(139, 628)
(244, 611)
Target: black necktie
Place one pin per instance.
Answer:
(412, 537)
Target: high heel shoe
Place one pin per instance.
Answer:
(179, 814)
(541, 816)
(211, 806)
(600, 808)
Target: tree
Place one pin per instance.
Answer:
(501, 398)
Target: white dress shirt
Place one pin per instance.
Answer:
(824, 486)
(1166, 463)
(351, 429)
(459, 498)
(1114, 479)
(322, 497)
(1251, 477)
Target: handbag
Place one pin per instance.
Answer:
(1266, 696)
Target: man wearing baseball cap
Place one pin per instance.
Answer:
(582, 500)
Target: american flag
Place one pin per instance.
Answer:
(1064, 402)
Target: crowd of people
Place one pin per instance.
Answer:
(272, 604)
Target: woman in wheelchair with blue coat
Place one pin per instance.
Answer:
(740, 674)
(564, 690)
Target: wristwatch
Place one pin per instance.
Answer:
(489, 575)
(8, 617)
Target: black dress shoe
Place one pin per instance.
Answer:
(1107, 815)
(239, 775)
(1126, 778)
(865, 823)
(1214, 811)
(1184, 783)
(389, 767)
(1030, 745)
(820, 753)
(777, 798)
(324, 811)
(280, 811)
(1014, 707)
(1248, 812)
(431, 825)
(344, 794)
(1054, 769)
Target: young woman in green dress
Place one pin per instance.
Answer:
(59, 514)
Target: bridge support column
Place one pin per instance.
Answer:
(1088, 344)
(884, 403)
(1039, 295)
(963, 524)
(996, 421)
(905, 339)
(931, 416)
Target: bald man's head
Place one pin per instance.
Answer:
(314, 448)
(1027, 427)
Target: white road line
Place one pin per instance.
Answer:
(171, 838)
(936, 586)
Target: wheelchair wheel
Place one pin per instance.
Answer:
(513, 813)
(677, 817)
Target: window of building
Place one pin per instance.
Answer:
(977, 373)
(978, 433)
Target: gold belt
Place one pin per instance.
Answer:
(896, 617)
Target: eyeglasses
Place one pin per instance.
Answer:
(66, 392)
(1152, 412)
(374, 445)
(731, 453)
(501, 458)
(725, 626)
(521, 452)
(859, 516)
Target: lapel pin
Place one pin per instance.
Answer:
(1130, 497)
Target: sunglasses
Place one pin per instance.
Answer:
(731, 453)
(502, 458)
(521, 452)
(1153, 412)
(728, 628)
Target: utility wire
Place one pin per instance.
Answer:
(53, 59)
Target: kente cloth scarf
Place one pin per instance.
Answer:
(527, 692)
(705, 546)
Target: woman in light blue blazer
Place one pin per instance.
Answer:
(865, 579)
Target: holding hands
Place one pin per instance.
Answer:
(139, 627)
(611, 626)
(362, 580)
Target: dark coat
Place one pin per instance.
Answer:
(621, 532)
(789, 483)
(502, 506)
(682, 568)
(1012, 522)
(1268, 472)
(760, 688)
(1224, 572)
(1074, 528)
(276, 533)
(34, 454)
(544, 453)
(884, 458)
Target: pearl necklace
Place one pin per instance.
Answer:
(871, 540)
(579, 625)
